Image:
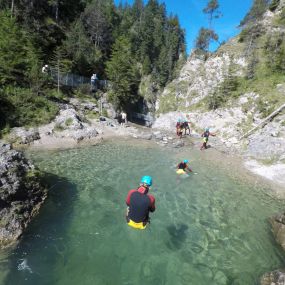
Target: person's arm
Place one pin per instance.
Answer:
(189, 169)
(128, 199)
(152, 203)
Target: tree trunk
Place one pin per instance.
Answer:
(12, 7)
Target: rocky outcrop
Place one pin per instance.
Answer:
(24, 136)
(276, 277)
(21, 194)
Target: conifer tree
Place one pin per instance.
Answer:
(123, 73)
(212, 10)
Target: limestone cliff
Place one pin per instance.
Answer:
(234, 89)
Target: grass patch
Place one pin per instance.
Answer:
(58, 128)
(68, 122)
(92, 115)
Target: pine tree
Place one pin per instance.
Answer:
(212, 10)
(122, 72)
(204, 38)
(13, 54)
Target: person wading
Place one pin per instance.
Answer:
(140, 203)
(205, 135)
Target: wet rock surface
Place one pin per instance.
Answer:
(21, 194)
(278, 228)
(276, 277)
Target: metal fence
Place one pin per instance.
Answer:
(74, 80)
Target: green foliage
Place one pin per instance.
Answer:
(250, 34)
(123, 72)
(82, 91)
(58, 127)
(204, 38)
(275, 53)
(273, 5)
(13, 54)
(255, 13)
(212, 10)
(224, 91)
(20, 107)
(68, 122)
(121, 44)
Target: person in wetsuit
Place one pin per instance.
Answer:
(179, 128)
(182, 167)
(205, 135)
(140, 203)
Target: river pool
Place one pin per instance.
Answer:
(210, 228)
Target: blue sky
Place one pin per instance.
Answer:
(192, 18)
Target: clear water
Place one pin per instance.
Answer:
(209, 229)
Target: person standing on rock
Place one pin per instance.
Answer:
(123, 118)
(205, 135)
(186, 127)
(179, 128)
(140, 203)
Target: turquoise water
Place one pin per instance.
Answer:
(210, 228)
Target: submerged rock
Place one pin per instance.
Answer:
(276, 277)
(178, 144)
(278, 227)
(21, 194)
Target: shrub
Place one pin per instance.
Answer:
(23, 108)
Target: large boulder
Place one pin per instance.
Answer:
(68, 119)
(21, 194)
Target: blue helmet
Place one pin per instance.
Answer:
(185, 161)
(207, 129)
(146, 180)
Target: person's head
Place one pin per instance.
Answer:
(146, 181)
(185, 161)
(207, 129)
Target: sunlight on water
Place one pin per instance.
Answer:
(209, 229)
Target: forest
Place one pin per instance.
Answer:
(122, 44)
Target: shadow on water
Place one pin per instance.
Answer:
(42, 248)
(178, 235)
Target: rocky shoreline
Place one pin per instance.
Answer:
(21, 194)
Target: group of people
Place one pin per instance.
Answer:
(182, 125)
(139, 202)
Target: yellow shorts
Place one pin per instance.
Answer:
(180, 171)
(138, 226)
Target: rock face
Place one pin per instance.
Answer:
(278, 227)
(276, 277)
(21, 194)
(23, 136)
